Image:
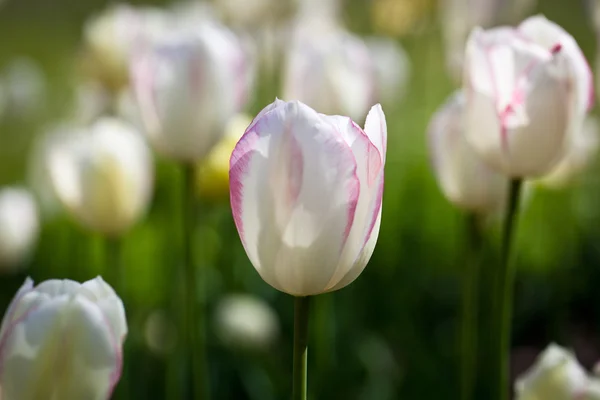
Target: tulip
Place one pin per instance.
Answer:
(19, 226)
(103, 177)
(25, 87)
(519, 97)
(62, 340)
(556, 375)
(464, 178)
(187, 87)
(580, 154)
(392, 69)
(212, 173)
(246, 322)
(331, 72)
(306, 193)
(112, 36)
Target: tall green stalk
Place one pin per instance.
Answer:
(299, 379)
(193, 329)
(470, 307)
(505, 290)
(116, 278)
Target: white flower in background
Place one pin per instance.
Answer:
(306, 192)
(331, 72)
(392, 69)
(527, 89)
(24, 86)
(91, 100)
(463, 177)
(459, 17)
(252, 14)
(104, 176)
(19, 227)
(111, 37)
(581, 152)
(188, 86)
(62, 340)
(556, 375)
(246, 322)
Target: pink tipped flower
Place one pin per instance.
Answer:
(526, 92)
(463, 177)
(187, 87)
(62, 340)
(306, 191)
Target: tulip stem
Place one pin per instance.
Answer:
(193, 326)
(470, 306)
(301, 311)
(506, 288)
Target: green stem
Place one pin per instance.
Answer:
(506, 288)
(193, 326)
(301, 311)
(469, 339)
(115, 276)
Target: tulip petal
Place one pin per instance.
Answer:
(292, 225)
(64, 338)
(376, 129)
(9, 316)
(101, 293)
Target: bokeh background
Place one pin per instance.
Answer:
(392, 334)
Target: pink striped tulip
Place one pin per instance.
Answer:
(527, 89)
(62, 340)
(306, 191)
(188, 86)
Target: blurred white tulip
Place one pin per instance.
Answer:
(25, 87)
(332, 73)
(103, 177)
(581, 152)
(526, 90)
(188, 86)
(556, 375)
(392, 69)
(459, 17)
(19, 227)
(62, 340)
(464, 178)
(246, 322)
(306, 191)
(112, 36)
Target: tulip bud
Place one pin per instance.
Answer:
(306, 192)
(62, 340)
(555, 375)
(519, 101)
(463, 177)
(103, 177)
(19, 226)
(212, 174)
(246, 322)
(332, 73)
(581, 151)
(112, 36)
(188, 86)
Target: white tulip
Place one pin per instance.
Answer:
(103, 177)
(188, 86)
(114, 35)
(331, 71)
(520, 100)
(246, 322)
(306, 191)
(556, 375)
(392, 68)
(463, 177)
(62, 340)
(580, 154)
(19, 226)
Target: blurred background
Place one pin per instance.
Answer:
(394, 332)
